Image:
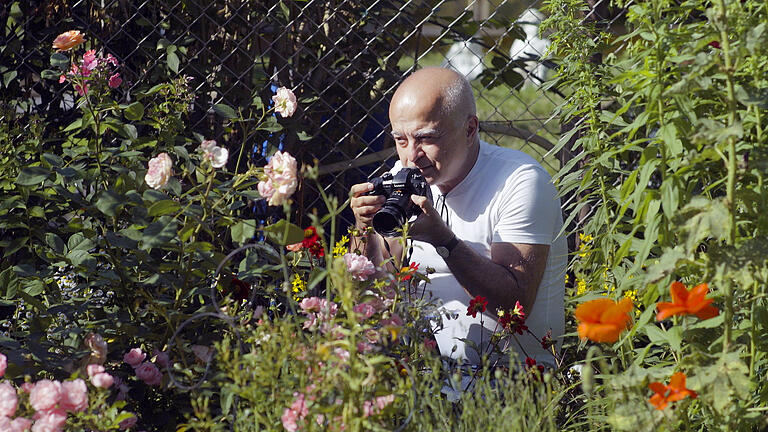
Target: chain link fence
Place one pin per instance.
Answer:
(342, 58)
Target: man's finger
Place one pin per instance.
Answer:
(423, 203)
(360, 189)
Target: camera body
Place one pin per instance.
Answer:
(398, 208)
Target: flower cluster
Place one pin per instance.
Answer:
(145, 370)
(279, 181)
(319, 312)
(513, 320)
(216, 155)
(311, 243)
(159, 171)
(358, 266)
(93, 70)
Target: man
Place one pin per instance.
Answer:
(492, 230)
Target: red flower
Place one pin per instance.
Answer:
(240, 290)
(675, 391)
(476, 305)
(547, 341)
(406, 273)
(514, 320)
(530, 363)
(312, 242)
(714, 44)
(684, 302)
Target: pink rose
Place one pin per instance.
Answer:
(280, 180)
(27, 387)
(128, 423)
(134, 357)
(310, 304)
(94, 369)
(285, 102)
(74, 395)
(161, 357)
(358, 266)
(295, 413)
(45, 395)
(49, 421)
(159, 171)
(115, 81)
(3, 364)
(89, 60)
(102, 380)
(149, 373)
(8, 400)
(365, 310)
(98, 347)
(20, 424)
(377, 405)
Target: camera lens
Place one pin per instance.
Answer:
(387, 220)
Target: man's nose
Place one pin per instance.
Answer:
(414, 150)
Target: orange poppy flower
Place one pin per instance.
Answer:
(686, 302)
(603, 320)
(675, 391)
(68, 40)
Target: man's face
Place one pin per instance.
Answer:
(430, 141)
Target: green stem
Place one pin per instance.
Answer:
(753, 330)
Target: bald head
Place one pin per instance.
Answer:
(447, 92)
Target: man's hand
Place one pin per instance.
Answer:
(364, 206)
(429, 226)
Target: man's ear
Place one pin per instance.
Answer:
(473, 125)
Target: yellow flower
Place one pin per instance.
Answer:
(567, 279)
(631, 294)
(581, 286)
(585, 238)
(298, 284)
(340, 248)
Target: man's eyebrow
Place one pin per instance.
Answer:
(426, 132)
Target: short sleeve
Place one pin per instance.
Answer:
(527, 209)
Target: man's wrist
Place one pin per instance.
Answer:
(446, 249)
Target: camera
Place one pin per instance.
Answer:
(398, 208)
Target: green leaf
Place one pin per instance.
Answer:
(81, 257)
(303, 136)
(9, 282)
(172, 60)
(130, 131)
(16, 244)
(284, 233)
(32, 176)
(285, 9)
(134, 111)
(60, 61)
(55, 243)
(243, 231)
(108, 202)
(163, 207)
(78, 241)
(225, 111)
(159, 233)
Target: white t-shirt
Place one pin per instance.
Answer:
(506, 197)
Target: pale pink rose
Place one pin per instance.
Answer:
(310, 322)
(8, 400)
(3, 364)
(377, 405)
(281, 181)
(20, 424)
(98, 346)
(289, 418)
(74, 395)
(203, 353)
(27, 387)
(161, 357)
(310, 304)
(94, 369)
(159, 171)
(115, 81)
(45, 395)
(102, 380)
(5, 424)
(358, 266)
(285, 102)
(89, 60)
(295, 413)
(128, 423)
(149, 373)
(365, 310)
(134, 357)
(207, 145)
(50, 421)
(212, 152)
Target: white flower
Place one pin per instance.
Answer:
(159, 171)
(280, 180)
(217, 155)
(285, 102)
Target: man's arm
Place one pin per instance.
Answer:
(512, 273)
